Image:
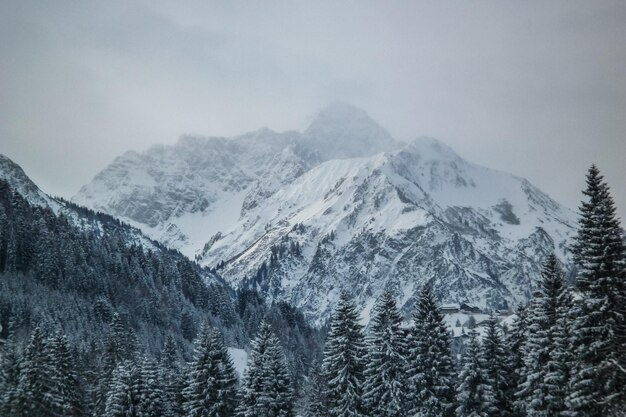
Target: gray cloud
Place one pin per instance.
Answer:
(534, 88)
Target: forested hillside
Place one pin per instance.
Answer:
(79, 274)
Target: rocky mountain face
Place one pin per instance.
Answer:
(342, 205)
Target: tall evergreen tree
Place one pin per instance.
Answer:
(32, 394)
(66, 394)
(152, 395)
(474, 395)
(120, 347)
(541, 396)
(316, 404)
(211, 385)
(119, 399)
(343, 364)
(278, 393)
(600, 326)
(9, 377)
(515, 341)
(430, 370)
(266, 390)
(494, 358)
(173, 382)
(384, 388)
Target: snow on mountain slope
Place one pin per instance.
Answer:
(17, 179)
(396, 220)
(184, 194)
(15, 175)
(341, 206)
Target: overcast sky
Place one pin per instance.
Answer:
(536, 88)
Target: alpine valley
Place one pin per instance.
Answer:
(299, 216)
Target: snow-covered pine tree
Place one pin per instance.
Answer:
(545, 325)
(211, 385)
(600, 326)
(278, 392)
(266, 390)
(343, 363)
(151, 392)
(384, 390)
(561, 361)
(474, 395)
(9, 377)
(430, 370)
(119, 399)
(494, 358)
(66, 394)
(120, 346)
(315, 404)
(31, 397)
(172, 379)
(515, 341)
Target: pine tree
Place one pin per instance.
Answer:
(494, 359)
(430, 369)
(316, 404)
(542, 356)
(119, 399)
(9, 377)
(384, 388)
(152, 395)
(211, 386)
(173, 382)
(561, 359)
(66, 394)
(32, 394)
(474, 395)
(266, 390)
(120, 347)
(343, 364)
(515, 341)
(277, 393)
(600, 325)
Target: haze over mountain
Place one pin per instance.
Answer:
(342, 205)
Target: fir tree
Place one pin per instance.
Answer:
(343, 363)
(600, 326)
(32, 394)
(277, 392)
(384, 388)
(515, 341)
(266, 390)
(119, 399)
(430, 369)
(173, 382)
(151, 391)
(316, 404)
(474, 395)
(494, 359)
(211, 385)
(9, 377)
(120, 347)
(65, 388)
(540, 396)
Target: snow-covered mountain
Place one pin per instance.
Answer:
(340, 206)
(13, 174)
(20, 183)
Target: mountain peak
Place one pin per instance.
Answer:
(17, 178)
(341, 130)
